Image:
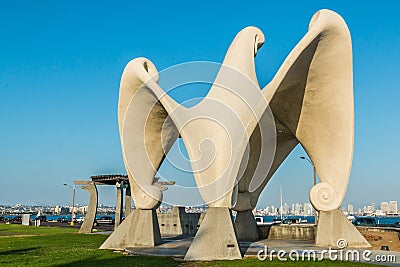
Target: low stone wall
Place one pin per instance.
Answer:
(287, 232)
(379, 229)
(306, 231)
(178, 222)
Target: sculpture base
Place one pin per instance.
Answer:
(333, 226)
(139, 229)
(215, 239)
(246, 226)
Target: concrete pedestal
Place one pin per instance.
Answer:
(139, 229)
(128, 200)
(119, 204)
(178, 222)
(333, 226)
(87, 225)
(246, 226)
(215, 239)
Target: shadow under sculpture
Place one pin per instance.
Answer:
(238, 135)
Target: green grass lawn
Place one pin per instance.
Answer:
(53, 246)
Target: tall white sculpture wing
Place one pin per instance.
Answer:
(147, 132)
(217, 129)
(312, 96)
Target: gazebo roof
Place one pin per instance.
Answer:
(110, 179)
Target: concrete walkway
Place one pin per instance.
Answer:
(177, 248)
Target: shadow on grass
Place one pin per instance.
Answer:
(18, 251)
(136, 261)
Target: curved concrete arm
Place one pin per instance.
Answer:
(311, 98)
(145, 129)
(321, 113)
(226, 117)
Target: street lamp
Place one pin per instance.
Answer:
(315, 182)
(73, 203)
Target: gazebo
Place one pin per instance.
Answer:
(121, 182)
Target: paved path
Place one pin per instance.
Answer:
(176, 247)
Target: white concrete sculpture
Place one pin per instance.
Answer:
(238, 135)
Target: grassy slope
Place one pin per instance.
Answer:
(52, 246)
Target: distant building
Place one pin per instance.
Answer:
(64, 210)
(82, 209)
(297, 209)
(286, 209)
(385, 207)
(57, 210)
(267, 210)
(350, 209)
(273, 210)
(370, 209)
(307, 209)
(380, 213)
(393, 206)
(364, 209)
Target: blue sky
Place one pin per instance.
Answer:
(61, 62)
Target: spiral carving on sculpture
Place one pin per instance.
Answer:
(324, 198)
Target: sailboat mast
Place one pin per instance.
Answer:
(280, 188)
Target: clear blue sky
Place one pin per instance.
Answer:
(61, 62)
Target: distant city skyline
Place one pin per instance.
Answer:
(62, 63)
(297, 209)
